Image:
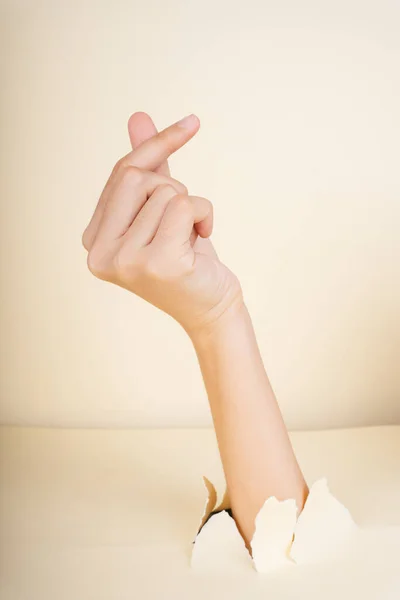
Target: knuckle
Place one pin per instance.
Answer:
(167, 188)
(182, 202)
(210, 206)
(96, 264)
(118, 166)
(132, 175)
(180, 187)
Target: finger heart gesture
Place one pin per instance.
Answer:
(150, 236)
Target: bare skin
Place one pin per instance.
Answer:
(150, 236)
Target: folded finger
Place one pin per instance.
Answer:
(90, 232)
(151, 150)
(181, 214)
(147, 221)
(129, 196)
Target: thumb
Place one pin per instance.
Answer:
(141, 128)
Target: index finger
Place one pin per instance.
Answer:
(141, 128)
(154, 151)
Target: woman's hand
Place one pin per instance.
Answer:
(149, 236)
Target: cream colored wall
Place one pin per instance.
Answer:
(299, 151)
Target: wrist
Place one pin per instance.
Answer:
(219, 326)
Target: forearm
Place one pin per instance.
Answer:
(256, 452)
(141, 238)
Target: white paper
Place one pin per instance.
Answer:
(219, 547)
(273, 535)
(324, 527)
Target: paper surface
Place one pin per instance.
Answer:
(273, 535)
(220, 547)
(323, 529)
(139, 551)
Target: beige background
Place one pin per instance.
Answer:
(299, 151)
(101, 514)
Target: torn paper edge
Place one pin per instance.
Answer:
(315, 537)
(273, 536)
(211, 501)
(269, 556)
(225, 503)
(219, 547)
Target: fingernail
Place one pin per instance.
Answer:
(188, 122)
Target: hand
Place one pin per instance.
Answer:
(149, 235)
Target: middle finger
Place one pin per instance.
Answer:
(128, 197)
(119, 194)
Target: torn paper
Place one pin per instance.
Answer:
(273, 535)
(220, 547)
(210, 502)
(323, 528)
(225, 502)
